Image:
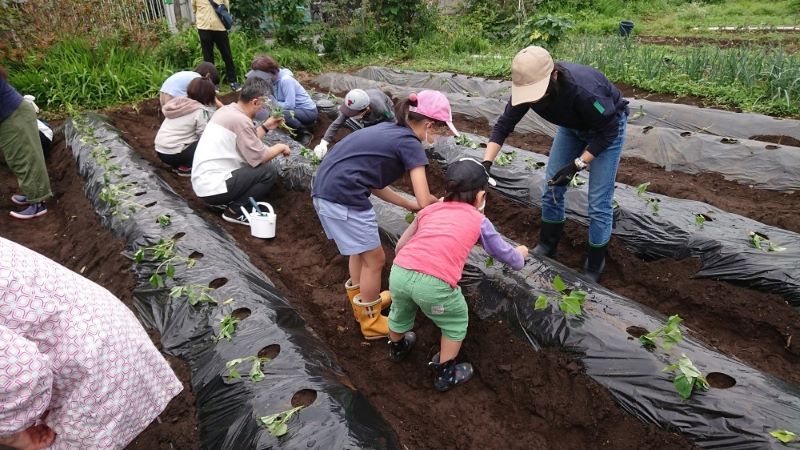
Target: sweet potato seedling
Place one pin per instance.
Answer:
(164, 220)
(668, 335)
(276, 111)
(699, 220)
(194, 293)
(163, 251)
(532, 164)
(410, 217)
(785, 436)
(276, 423)
(571, 301)
(641, 192)
(307, 153)
(117, 197)
(505, 158)
(465, 141)
(489, 262)
(255, 373)
(688, 378)
(757, 240)
(576, 182)
(227, 326)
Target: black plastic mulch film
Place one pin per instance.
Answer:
(722, 241)
(339, 417)
(655, 132)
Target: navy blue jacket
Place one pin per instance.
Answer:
(585, 100)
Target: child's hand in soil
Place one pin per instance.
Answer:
(273, 122)
(523, 250)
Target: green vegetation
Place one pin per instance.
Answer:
(571, 301)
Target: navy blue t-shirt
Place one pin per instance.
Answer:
(370, 158)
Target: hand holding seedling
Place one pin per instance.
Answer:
(564, 175)
(273, 122)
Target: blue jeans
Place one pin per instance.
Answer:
(568, 145)
(302, 117)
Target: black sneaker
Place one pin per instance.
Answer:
(400, 349)
(232, 217)
(450, 374)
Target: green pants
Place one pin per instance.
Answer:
(22, 149)
(442, 303)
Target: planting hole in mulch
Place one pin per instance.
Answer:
(304, 397)
(686, 134)
(139, 194)
(217, 283)
(636, 331)
(772, 147)
(783, 140)
(271, 351)
(151, 204)
(195, 255)
(707, 217)
(647, 129)
(720, 380)
(178, 235)
(241, 314)
(727, 140)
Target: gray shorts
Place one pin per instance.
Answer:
(354, 231)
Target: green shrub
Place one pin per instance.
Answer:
(544, 30)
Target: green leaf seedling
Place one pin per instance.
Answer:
(688, 378)
(785, 436)
(654, 203)
(227, 326)
(410, 217)
(668, 335)
(255, 373)
(757, 240)
(194, 293)
(532, 164)
(571, 301)
(164, 220)
(163, 251)
(465, 141)
(276, 423)
(505, 158)
(489, 261)
(309, 154)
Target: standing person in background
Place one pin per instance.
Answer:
(299, 111)
(365, 163)
(591, 116)
(212, 32)
(22, 149)
(361, 108)
(185, 118)
(231, 163)
(177, 83)
(77, 370)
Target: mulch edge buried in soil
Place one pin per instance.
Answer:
(575, 413)
(338, 417)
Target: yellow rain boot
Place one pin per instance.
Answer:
(373, 324)
(355, 289)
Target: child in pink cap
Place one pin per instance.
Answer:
(366, 162)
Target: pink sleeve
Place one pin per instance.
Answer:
(25, 383)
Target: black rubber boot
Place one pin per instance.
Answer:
(595, 262)
(400, 349)
(549, 235)
(449, 374)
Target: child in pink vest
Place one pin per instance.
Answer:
(429, 262)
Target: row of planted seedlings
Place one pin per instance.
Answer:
(730, 247)
(753, 163)
(651, 369)
(292, 394)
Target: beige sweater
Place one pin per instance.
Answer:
(205, 16)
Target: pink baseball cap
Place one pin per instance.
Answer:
(433, 105)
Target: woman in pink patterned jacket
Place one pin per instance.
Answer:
(77, 370)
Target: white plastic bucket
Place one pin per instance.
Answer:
(262, 225)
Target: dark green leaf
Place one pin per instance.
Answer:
(156, 280)
(170, 270)
(570, 305)
(684, 386)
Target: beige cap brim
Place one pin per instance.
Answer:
(530, 93)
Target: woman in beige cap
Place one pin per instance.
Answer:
(591, 115)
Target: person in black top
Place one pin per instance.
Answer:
(591, 116)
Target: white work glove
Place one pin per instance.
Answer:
(30, 99)
(321, 149)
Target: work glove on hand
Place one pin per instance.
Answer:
(487, 165)
(321, 149)
(564, 175)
